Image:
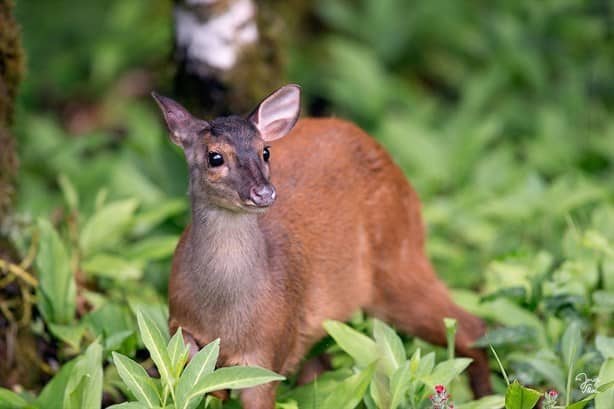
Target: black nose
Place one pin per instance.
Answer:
(263, 195)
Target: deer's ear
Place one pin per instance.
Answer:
(277, 113)
(180, 123)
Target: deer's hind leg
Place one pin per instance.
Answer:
(418, 302)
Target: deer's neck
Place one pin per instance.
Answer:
(227, 252)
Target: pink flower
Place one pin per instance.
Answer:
(440, 389)
(552, 394)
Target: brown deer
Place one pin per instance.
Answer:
(277, 246)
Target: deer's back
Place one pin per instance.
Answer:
(346, 208)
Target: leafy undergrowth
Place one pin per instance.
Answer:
(501, 117)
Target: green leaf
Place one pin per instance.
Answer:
(519, 397)
(115, 324)
(56, 290)
(84, 387)
(604, 399)
(380, 390)
(487, 402)
(52, 396)
(360, 347)
(446, 371)
(11, 400)
(571, 344)
(349, 393)
(425, 365)
(389, 347)
(178, 353)
(106, 227)
(68, 190)
(550, 370)
(236, 377)
(605, 345)
(400, 383)
(71, 334)
(148, 219)
(582, 403)
(113, 267)
(152, 248)
(130, 405)
(136, 379)
(201, 365)
(155, 342)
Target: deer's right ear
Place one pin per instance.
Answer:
(178, 120)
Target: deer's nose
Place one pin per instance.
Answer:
(263, 195)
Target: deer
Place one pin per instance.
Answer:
(294, 222)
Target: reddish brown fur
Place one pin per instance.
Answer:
(345, 233)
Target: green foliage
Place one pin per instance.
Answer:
(500, 114)
(178, 387)
(384, 376)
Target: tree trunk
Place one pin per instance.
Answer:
(13, 341)
(11, 69)
(229, 53)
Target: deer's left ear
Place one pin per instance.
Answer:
(277, 113)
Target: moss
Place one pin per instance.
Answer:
(11, 72)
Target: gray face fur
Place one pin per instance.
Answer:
(226, 156)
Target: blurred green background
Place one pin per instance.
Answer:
(500, 113)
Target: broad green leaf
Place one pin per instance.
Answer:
(148, 219)
(236, 377)
(571, 344)
(201, 365)
(71, 334)
(519, 397)
(425, 365)
(68, 190)
(604, 399)
(605, 345)
(446, 371)
(178, 353)
(157, 312)
(487, 402)
(581, 403)
(360, 347)
(131, 405)
(152, 248)
(52, 396)
(380, 390)
(155, 342)
(11, 400)
(313, 395)
(136, 379)
(507, 336)
(414, 361)
(547, 368)
(56, 290)
(350, 392)
(389, 347)
(105, 228)
(115, 324)
(84, 386)
(113, 267)
(400, 383)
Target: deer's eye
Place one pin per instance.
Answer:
(266, 154)
(215, 159)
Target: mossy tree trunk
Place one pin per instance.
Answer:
(230, 53)
(11, 68)
(12, 340)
